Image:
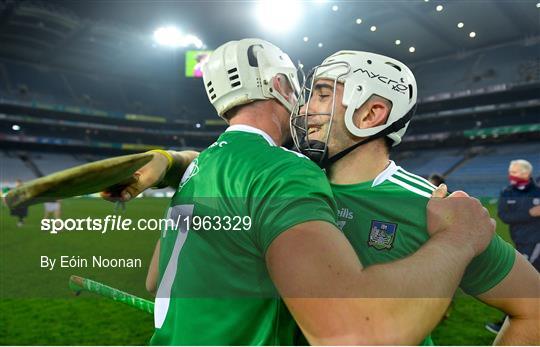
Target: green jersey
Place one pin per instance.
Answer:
(385, 220)
(233, 201)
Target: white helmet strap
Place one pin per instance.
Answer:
(396, 126)
(352, 106)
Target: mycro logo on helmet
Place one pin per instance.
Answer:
(395, 85)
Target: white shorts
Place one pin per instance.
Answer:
(52, 206)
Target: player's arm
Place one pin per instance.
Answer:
(155, 173)
(335, 301)
(181, 160)
(518, 295)
(153, 270)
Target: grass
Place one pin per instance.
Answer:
(37, 308)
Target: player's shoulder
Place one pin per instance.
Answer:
(283, 161)
(407, 183)
(293, 157)
(258, 152)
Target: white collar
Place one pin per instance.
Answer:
(383, 176)
(249, 129)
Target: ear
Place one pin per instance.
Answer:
(373, 113)
(280, 85)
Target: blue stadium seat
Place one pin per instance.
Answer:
(485, 175)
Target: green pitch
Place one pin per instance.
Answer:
(40, 309)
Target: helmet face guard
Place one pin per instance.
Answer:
(316, 150)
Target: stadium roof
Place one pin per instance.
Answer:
(117, 35)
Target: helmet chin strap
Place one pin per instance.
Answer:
(348, 150)
(319, 151)
(323, 159)
(315, 150)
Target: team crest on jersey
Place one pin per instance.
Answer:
(382, 235)
(191, 171)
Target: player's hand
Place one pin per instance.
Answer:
(535, 211)
(440, 192)
(462, 217)
(147, 176)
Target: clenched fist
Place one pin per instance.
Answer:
(147, 176)
(462, 217)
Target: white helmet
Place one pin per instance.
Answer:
(240, 72)
(363, 74)
(372, 74)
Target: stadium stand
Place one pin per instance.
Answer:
(481, 171)
(101, 93)
(470, 111)
(48, 163)
(427, 162)
(514, 62)
(38, 82)
(82, 81)
(486, 174)
(148, 98)
(4, 86)
(13, 168)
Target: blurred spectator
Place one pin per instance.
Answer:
(120, 206)
(436, 179)
(52, 208)
(19, 212)
(519, 207)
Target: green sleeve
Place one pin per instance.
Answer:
(293, 192)
(489, 268)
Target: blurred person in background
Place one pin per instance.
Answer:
(519, 207)
(119, 207)
(20, 212)
(53, 210)
(436, 179)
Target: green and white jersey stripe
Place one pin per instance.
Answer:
(406, 180)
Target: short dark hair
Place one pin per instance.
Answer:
(436, 179)
(231, 113)
(388, 143)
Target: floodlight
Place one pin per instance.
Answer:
(278, 16)
(168, 36)
(171, 36)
